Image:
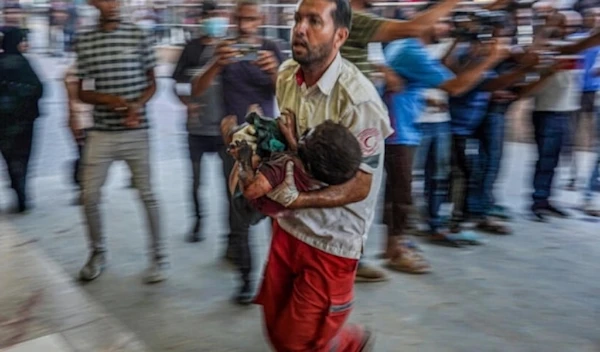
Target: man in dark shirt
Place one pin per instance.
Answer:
(204, 112)
(247, 82)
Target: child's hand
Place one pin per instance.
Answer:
(287, 126)
(244, 152)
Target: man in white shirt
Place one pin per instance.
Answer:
(307, 290)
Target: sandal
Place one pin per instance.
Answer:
(493, 228)
(456, 239)
(409, 262)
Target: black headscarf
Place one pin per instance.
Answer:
(20, 87)
(12, 37)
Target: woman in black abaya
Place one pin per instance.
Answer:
(20, 92)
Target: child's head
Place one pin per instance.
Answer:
(330, 153)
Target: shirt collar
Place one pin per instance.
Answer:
(328, 79)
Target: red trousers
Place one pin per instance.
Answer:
(307, 296)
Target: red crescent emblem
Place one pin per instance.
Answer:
(369, 141)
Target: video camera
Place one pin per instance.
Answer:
(477, 25)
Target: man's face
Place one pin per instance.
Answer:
(12, 17)
(248, 19)
(314, 35)
(109, 9)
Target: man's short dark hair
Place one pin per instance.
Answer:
(342, 15)
(207, 6)
(332, 153)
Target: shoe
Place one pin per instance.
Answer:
(94, 267)
(571, 186)
(246, 295)
(553, 211)
(195, 236)
(368, 273)
(368, 342)
(157, 272)
(538, 214)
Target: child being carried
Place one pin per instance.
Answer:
(328, 154)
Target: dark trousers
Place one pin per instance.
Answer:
(461, 173)
(490, 138)
(549, 129)
(398, 187)
(15, 148)
(241, 216)
(434, 155)
(198, 146)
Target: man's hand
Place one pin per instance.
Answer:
(286, 193)
(225, 52)
(118, 104)
(503, 96)
(267, 61)
(499, 50)
(133, 116)
(193, 109)
(76, 130)
(287, 126)
(529, 59)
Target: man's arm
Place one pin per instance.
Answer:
(532, 88)
(575, 48)
(355, 190)
(223, 54)
(150, 89)
(391, 30)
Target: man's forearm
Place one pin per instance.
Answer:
(580, 46)
(507, 80)
(533, 87)
(350, 192)
(202, 82)
(93, 98)
(149, 91)
(466, 80)
(433, 15)
(392, 30)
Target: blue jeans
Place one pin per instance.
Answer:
(490, 138)
(434, 153)
(549, 128)
(596, 168)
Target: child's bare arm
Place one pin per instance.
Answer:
(253, 184)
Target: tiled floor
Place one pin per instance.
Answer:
(50, 343)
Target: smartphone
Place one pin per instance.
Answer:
(247, 52)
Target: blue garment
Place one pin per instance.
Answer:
(467, 111)
(490, 136)
(589, 81)
(434, 152)
(593, 183)
(410, 60)
(549, 129)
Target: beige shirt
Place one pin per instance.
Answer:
(343, 95)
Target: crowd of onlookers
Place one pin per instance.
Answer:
(425, 91)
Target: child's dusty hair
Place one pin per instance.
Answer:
(331, 153)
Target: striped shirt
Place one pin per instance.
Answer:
(115, 62)
(356, 48)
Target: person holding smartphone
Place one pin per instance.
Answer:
(204, 112)
(247, 66)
